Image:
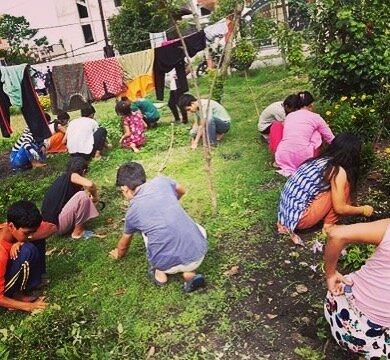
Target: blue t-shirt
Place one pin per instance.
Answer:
(173, 237)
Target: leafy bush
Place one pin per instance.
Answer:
(350, 46)
(243, 55)
(357, 256)
(44, 100)
(218, 86)
(356, 115)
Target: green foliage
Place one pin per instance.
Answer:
(224, 8)
(356, 115)
(44, 100)
(307, 353)
(16, 30)
(129, 29)
(357, 256)
(291, 46)
(350, 45)
(243, 55)
(217, 93)
(258, 29)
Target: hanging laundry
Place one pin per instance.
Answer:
(17, 88)
(217, 30)
(137, 69)
(68, 89)
(104, 78)
(172, 56)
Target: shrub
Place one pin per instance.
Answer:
(350, 45)
(356, 115)
(243, 55)
(218, 86)
(44, 100)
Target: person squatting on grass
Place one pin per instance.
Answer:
(272, 118)
(321, 189)
(146, 109)
(84, 137)
(66, 205)
(174, 242)
(303, 132)
(134, 126)
(27, 153)
(357, 306)
(218, 119)
(20, 260)
(54, 144)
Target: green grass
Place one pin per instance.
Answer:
(101, 309)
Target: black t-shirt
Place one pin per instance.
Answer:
(57, 196)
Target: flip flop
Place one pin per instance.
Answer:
(85, 235)
(152, 276)
(196, 282)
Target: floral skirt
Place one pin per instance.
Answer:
(353, 331)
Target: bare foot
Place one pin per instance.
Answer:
(160, 276)
(37, 164)
(135, 149)
(220, 137)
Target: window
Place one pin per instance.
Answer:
(117, 3)
(82, 9)
(87, 31)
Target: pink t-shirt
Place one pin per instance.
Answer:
(302, 136)
(371, 284)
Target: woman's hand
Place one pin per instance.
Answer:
(336, 283)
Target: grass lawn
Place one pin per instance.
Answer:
(102, 309)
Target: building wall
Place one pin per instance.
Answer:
(59, 20)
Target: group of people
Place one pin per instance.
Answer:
(321, 185)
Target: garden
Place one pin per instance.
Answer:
(263, 297)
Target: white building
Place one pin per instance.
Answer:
(73, 27)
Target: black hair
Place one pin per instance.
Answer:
(304, 99)
(125, 98)
(291, 103)
(344, 151)
(47, 116)
(131, 174)
(77, 164)
(24, 214)
(63, 117)
(87, 112)
(185, 100)
(123, 108)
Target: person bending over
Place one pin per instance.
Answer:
(54, 144)
(27, 153)
(357, 306)
(84, 137)
(174, 242)
(70, 201)
(303, 132)
(218, 119)
(20, 269)
(321, 189)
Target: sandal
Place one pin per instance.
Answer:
(85, 235)
(196, 282)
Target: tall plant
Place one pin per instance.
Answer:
(350, 46)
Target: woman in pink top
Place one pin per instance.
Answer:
(302, 136)
(357, 306)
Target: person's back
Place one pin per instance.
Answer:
(371, 285)
(273, 112)
(80, 135)
(173, 237)
(215, 110)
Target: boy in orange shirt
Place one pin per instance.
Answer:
(20, 268)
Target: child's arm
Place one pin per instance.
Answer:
(180, 191)
(127, 133)
(86, 184)
(198, 136)
(122, 247)
(9, 303)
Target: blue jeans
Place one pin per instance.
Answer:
(21, 159)
(217, 126)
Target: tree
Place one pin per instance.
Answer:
(129, 29)
(350, 46)
(16, 30)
